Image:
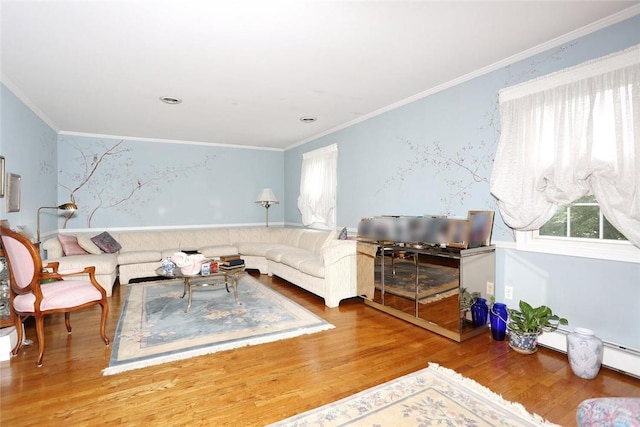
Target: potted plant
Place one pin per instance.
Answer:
(466, 301)
(526, 324)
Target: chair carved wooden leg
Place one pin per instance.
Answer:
(40, 334)
(18, 323)
(103, 324)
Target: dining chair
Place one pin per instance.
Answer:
(41, 290)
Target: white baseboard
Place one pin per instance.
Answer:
(620, 358)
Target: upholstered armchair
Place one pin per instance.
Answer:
(41, 290)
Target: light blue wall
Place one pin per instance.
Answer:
(432, 156)
(28, 145)
(435, 155)
(596, 294)
(155, 184)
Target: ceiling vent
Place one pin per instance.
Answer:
(170, 100)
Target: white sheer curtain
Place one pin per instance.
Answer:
(318, 182)
(572, 133)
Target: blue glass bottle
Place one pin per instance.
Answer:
(498, 318)
(479, 312)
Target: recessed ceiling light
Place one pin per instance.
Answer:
(308, 119)
(170, 100)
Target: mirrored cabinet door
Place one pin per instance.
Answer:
(6, 312)
(431, 287)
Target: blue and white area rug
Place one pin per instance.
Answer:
(154, 329)
(429, 397)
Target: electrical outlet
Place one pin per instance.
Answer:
(508, 292)
(490, 288)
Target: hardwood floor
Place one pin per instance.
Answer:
(266, 383)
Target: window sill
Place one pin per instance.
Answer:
(614, 251)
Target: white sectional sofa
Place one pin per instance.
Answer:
(314, 260)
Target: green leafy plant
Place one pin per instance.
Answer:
(467, 299)
(530, 320)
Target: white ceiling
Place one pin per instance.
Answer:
(247, 71)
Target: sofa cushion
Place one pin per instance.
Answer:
(85, 243)
(53, 248)
(285, 236)
(167, 253)
(104, 264)
(70, 245)
(106, 242)
(217, 251)
(296, 258)
(276, 254)
(314, 267)
(312, 240)
(135, 257)
(251, 234)
(257, 248)
(201, 238)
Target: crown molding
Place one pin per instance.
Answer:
(166, 141)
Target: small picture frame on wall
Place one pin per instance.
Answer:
(13, 192)
(1, 176)
(481, 226)
(458, 234)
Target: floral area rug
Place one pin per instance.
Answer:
(436, 282)
(432, 396)
(154, 328)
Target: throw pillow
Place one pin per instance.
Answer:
(86, 244)
(343, 234)
(106, 243)
(70, 245)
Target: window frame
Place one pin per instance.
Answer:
(611, 250)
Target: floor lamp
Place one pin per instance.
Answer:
(71, 207)
(267, 198)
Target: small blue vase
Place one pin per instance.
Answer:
(479, 312)
(498, 317)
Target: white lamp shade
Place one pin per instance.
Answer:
(267, 195)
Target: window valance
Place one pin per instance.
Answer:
(568, 134)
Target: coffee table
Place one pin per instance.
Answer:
(198, 280)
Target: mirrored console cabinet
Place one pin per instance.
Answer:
(6, 309)
(430, 286)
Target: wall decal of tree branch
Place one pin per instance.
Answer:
(470, 165)
(104, 165)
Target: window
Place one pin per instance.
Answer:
(582, 219)
(579, 229)
(318, 182)
(566, 167)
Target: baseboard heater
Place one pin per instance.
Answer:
(615, 356)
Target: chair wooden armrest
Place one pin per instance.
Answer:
(61, 274)
(52, 265)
